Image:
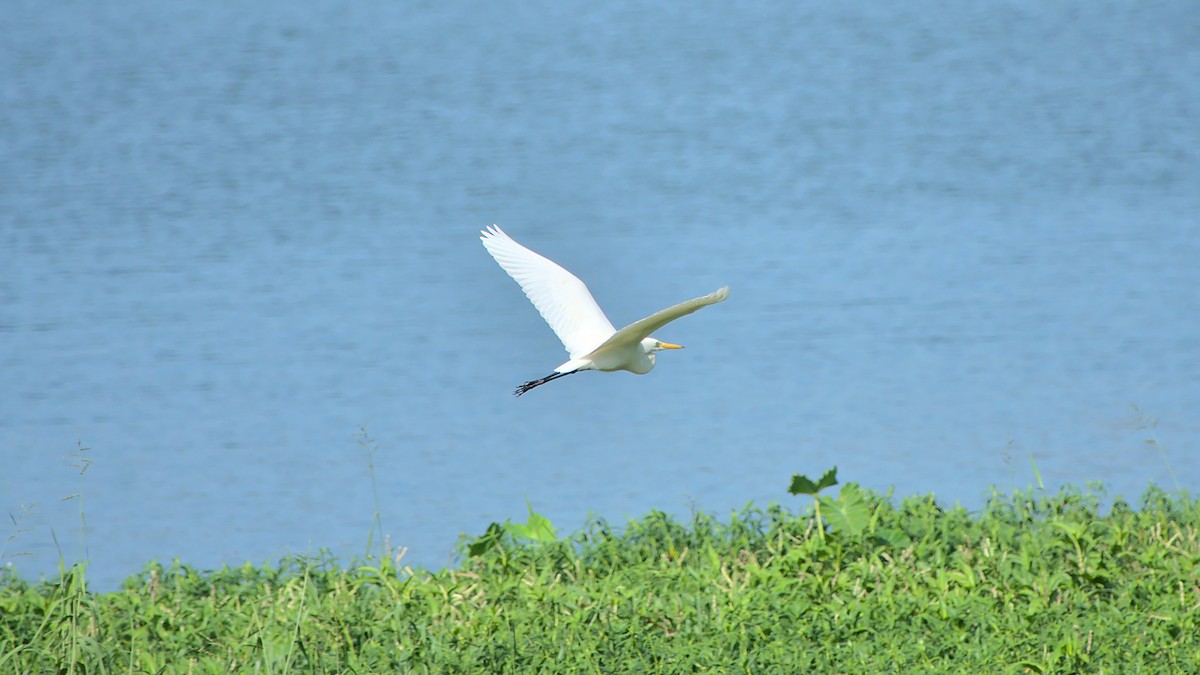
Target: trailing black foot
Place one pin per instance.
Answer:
(540, 381)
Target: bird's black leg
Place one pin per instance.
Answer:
(540, 381)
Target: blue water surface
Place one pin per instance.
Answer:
(963, 242)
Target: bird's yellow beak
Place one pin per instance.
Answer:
(668, 345)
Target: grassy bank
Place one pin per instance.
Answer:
(1031, 583)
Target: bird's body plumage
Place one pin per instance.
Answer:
(568, 306)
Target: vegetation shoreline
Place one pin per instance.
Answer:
(1032, 582)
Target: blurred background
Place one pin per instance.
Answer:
(963, 241)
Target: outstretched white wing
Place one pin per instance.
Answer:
(640, 330)
(559, 296)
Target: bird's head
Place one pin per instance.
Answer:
(651, 345)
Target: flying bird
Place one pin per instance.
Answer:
(567, 305)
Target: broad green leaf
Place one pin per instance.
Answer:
(803, 485)
(516, 530)
(538, 528)
(848, 513)
(485, 541)
(894, 537)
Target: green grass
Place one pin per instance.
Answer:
(1030, 583)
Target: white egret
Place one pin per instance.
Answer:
(567, 305)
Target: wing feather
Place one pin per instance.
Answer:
(640, 330)
(559, 296)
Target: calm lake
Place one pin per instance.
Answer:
(962, 241)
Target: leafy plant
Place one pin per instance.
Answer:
(536, 530)
(848, 513)
(1033, 582)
